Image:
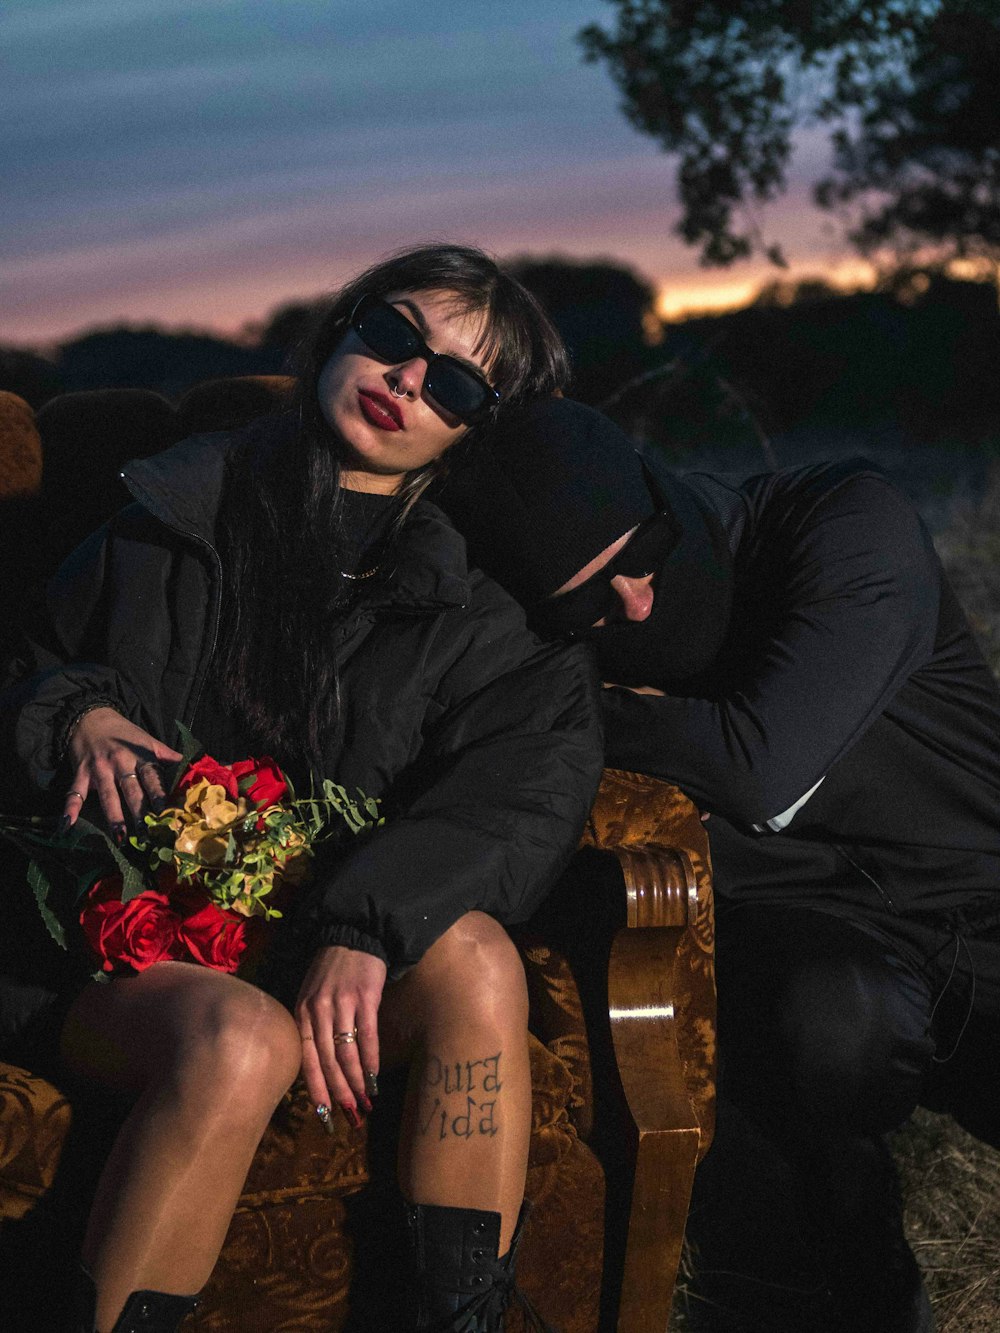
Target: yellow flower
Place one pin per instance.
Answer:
(209, 802)
(208, 845)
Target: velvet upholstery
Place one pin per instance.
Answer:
(20, 449)
(86, 438)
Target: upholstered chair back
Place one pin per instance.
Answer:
(86, 438)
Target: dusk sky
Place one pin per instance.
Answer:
(197, 162)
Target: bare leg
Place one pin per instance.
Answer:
(462, 1015)
(208, 1058)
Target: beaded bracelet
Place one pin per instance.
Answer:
(76, 719)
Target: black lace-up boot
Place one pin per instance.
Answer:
(462, 1284)
(144, 1312)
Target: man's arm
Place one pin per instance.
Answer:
(857, 614)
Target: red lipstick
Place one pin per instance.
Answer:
(379, 410)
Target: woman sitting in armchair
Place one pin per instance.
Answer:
(283, 588)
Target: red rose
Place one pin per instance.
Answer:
(138, 933)
(214, 772)
(213, 937)
(268, 786)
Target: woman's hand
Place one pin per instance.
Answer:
(340, 997)
(636, 689)
(118, 761)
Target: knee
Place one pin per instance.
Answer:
(474, 971)
(248, 1041)
(853, 1055)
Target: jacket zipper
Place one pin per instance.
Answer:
(886, 899)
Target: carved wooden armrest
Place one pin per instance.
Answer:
(662, 1016)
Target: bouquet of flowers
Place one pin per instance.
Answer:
(223, 854)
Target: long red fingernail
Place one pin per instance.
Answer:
(366, 1103)
(351, 1115)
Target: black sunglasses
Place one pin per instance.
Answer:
(573, 614)
(390, 336)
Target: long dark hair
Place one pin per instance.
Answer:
(280, 531)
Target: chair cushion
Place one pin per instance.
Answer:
(228, 403)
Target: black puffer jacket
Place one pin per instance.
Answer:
(482, 743)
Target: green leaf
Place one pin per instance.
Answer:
(190, 750)
(41, 886)
(133, 880)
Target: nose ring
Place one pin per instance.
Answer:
(396, 391)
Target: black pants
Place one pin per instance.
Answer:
(831, 1030)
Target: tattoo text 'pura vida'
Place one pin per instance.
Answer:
(464, 1094)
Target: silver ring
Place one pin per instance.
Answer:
(395, 394)
(345, 1038)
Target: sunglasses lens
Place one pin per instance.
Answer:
(386, 332)
(456, 389)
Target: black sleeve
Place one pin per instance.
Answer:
(856, 613)
(44, 685)
(500, 796)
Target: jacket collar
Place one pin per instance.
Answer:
(182, 487)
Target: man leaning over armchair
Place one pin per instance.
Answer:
(787, 650)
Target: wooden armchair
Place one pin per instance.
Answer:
(620, 974)
(622, 1003)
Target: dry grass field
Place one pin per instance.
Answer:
(951, 1182)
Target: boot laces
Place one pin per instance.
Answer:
(500, 1290)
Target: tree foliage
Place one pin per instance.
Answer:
(908, 88)
(604, 312)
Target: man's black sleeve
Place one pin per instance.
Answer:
(856, 614)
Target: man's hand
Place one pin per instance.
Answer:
(119, 762)
(337, 1014)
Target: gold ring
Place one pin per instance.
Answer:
(123, 776)
(345, 1038)
(74, 793)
